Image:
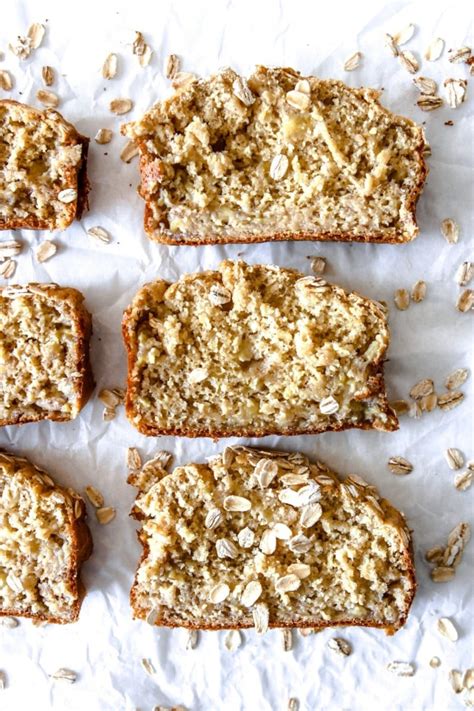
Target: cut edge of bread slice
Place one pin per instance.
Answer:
(152, 481)
(157, 164)
(75, 175)
(72, 301)
(373, 396)
(31, 481)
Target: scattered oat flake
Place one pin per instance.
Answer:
(446, 627)
(182, 79)
(110, 66)
(464, 273)
(408, 61)
(172, 66)
(442, 574)
(94, 496)
(399, 465)
(192, 639)
(434, 50)
(48, 75)
(422, 388)
(391, 44)
(8, 268)
(455, 92)
(465, 301)
(425, 85)
(111, 397)
(401, 668)
(435, 662)
(293, 704)
(35, 34)
(3, 680)
(103, 136)
(450, 400)
(47, 98)
(450, 230)
(418, 291)
(64, 675)
(6, 82)
(148, 666)
(429, 103)
(287, 639)
(341, 646)
(105, 514)
(99, 233)
(10, 248)
(121, 106)
(457, 56)
(454, 458)
(129, 151)
(352, 62)
(456, 378)
(435, 555)
(145, 58)
(455, 679)
(400, 406)
(428, 403)
(468, 680)
(108, 414)
(139, 44)
(9, 622)
(402, 299)
(233, 640)
(463, 481)
(318, 264)
(45, 251)
(404, 35)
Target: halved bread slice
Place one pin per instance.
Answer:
(43, 542)
(252, 350)
(279, 157)
(45, 371)
(43, 169)
(268, 539)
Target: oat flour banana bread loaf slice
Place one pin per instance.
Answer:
(43, 169)
(45, 372)
(43, 542)
(278, 157)
(268, 539)
(252, 350)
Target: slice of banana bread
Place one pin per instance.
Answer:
(43, 169)
(252, 350)
(43, 542)
(278, 157)
(44, 353)
(268, 539)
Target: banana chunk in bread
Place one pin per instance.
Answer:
(278, 157)
(43, 542)
(43, 169)
(268, 539)
(252, 350)
(44, 353)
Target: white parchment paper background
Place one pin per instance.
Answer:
(429, 340)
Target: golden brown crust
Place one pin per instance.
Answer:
(83, 327)
(81, 547)
(150, 174)
(392, 516)
(131, 318)
(76, 178)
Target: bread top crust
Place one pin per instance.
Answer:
(41, 155)
(44, 539)
(68, 332)
(347, 168)
(275, 345)
(255, 517)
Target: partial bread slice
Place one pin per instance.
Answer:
(43, 542)
(43, 169)
(45, 372)
(258, 538)
(253, 350)
(276, 158)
